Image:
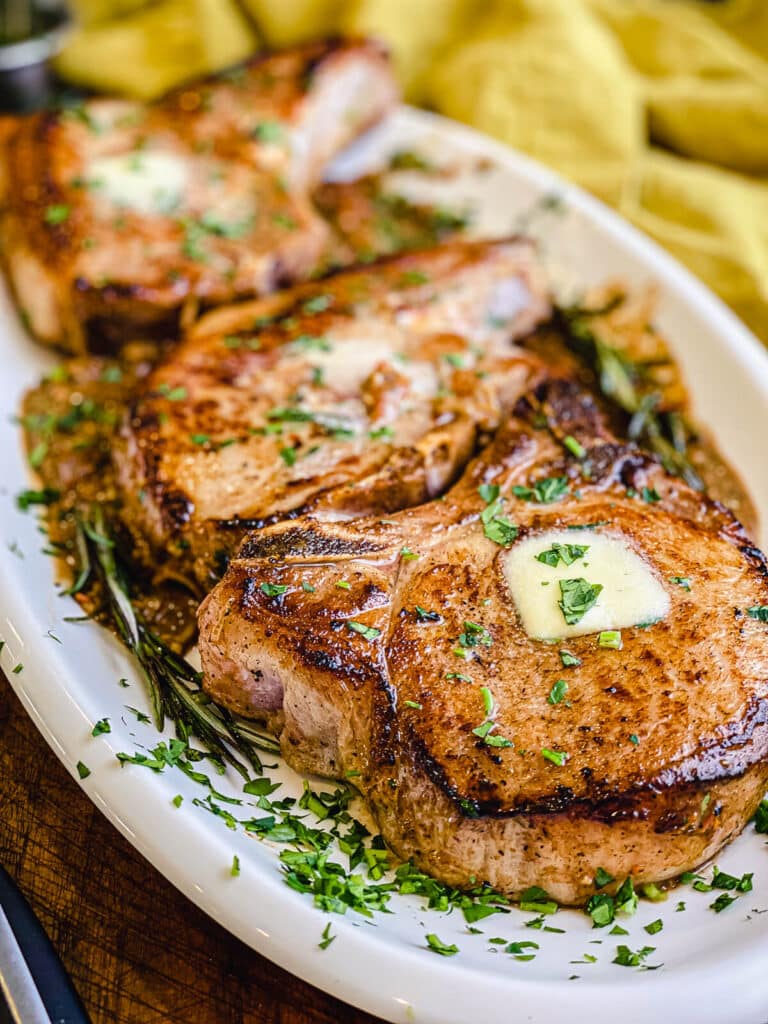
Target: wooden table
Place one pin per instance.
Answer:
(137, 950)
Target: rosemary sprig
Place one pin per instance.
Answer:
(622, 382)
(172, 682)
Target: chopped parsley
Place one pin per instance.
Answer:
(178, 800)
(558, 692)
(367, 632)
(603, 878)
(569, 660)
(758, 611)
(101, 727)
(426, 616)
(537, 901)
(654, 926)
(602, 907)
(557, 757)
(574, 446)
(650, 495)
(235, 869)
(317, 304)
(682, 581)
(83, 770)
(438, 946)
(268, 131)
(610, 638)
(273, 589)
(545, 491)
(496, 527)
(46, 496)
(761, 817)
(57, 213)
(327, 938)
(413, 704)
(407, 555)
(577, 597)
(484, 731)
(288, 455)
(307, 587)
(626, 958)
(565, 553)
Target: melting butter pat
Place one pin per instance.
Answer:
(148, 182)
(631, 594)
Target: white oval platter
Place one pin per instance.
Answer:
(714, 965)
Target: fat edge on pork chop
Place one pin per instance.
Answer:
(395, 652)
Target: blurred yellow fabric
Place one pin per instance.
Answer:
(660, 107)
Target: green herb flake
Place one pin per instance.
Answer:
(603, 878)
(327, 938)
(235, 869)
(83, 770)
(557, 757)
(682, 581)
(57, 213)
(574, 446)
(626, 958)
(558, 692)
(407, 555)
(101, 727)
(565, 553)
(722, 902)
(413, 704)
(343, 585)
(440, 947)
(273, 589)
(307, 587)
(569, 660)
(650, 495)
(577, 597)
(367, 632)
(288, 455)
(199, 439)
(545, 491)
(759, 612)
(611, 639)
(177, 800)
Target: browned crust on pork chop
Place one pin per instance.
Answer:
(666, 739)
(89, 270)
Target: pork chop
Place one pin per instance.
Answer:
(550, 671)
(360, 394)
(116, 217)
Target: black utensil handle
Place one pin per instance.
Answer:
(61, 1001)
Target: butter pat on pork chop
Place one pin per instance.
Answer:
(395, 650)
(359, 394)
(115, 217)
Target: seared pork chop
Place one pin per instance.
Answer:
(550, 671)
(357, 395)
(115, 216)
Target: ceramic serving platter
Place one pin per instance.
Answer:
(712, 965)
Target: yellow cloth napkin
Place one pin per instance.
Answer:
(660, 107)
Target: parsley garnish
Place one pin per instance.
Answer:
(650, 495)
(558, 692)
(367, 632)
(682, 581)
(603, 878)
(57, 213)
(654, 926)
(327, 938)
(46, 496)
(610, 638)
(484, 731)
(758, 611)
(268, 131)
(438, 946)
(496, 527)
(551, 488)
(565, 553)
(273, 589)
(577, 597)
(83, 770)
(568, 660)
(626, 958)
(101, 727)
(425, 616)
(557, 757)
(574, 446)
(307, 587)
(407, 555)
(235, 869)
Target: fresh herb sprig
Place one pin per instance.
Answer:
(625, 383)
(173, 684)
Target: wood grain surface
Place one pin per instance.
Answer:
(137, 950)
